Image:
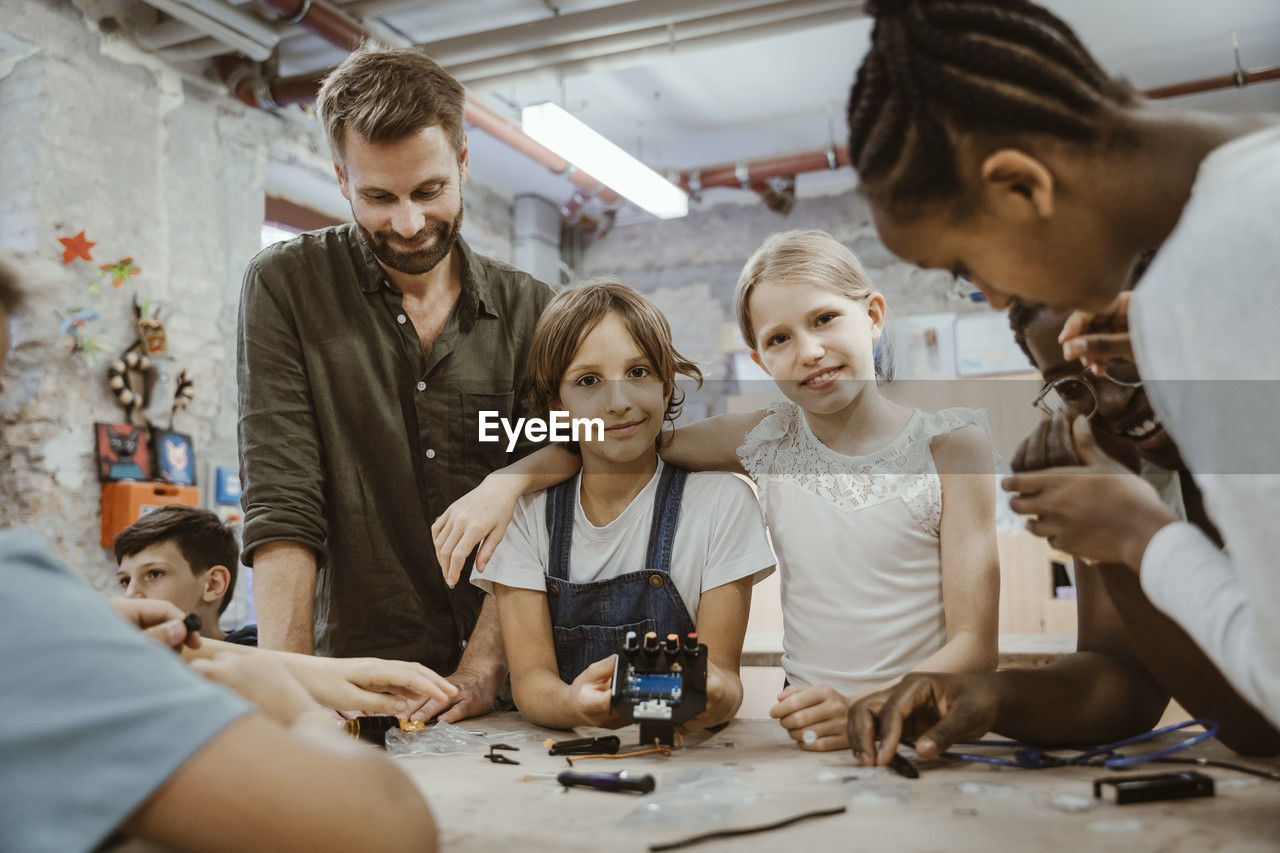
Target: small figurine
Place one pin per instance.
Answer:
(142, 377)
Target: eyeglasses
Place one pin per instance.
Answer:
(1078, 395)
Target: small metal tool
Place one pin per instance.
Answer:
(499, 758)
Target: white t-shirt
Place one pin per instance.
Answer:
(1204, 322)
(857, 539)
(719, 539)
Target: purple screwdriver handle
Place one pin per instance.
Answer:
(606, 781)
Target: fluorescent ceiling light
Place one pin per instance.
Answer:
(604, 161)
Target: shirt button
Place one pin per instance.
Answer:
(401, 319)
(430, 454)
(422, 386)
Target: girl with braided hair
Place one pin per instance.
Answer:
(991, 144)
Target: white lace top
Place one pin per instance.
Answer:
(857, 544)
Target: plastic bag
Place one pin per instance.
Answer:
(702, 797)
(444, 738)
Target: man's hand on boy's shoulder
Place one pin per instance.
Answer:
(160, 620)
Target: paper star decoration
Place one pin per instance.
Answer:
(76, 247)
(120, 270)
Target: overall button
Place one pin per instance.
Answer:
(656, 581)
(430, 454)
(553, 589)
(401, 319)
(422, 386)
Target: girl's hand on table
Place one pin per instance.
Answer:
(820, 709)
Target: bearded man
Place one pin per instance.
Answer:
(366, 352)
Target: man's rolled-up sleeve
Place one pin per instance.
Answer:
(281, 463)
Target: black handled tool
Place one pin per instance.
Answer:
(622, 781)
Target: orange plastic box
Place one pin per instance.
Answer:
(125, 503)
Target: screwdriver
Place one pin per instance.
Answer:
(621, 781)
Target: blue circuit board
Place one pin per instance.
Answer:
(654, 686)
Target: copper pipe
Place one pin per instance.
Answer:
(746, 174)
(323, 20)
(1209, 84)
(337, 29)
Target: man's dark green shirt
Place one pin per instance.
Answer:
(352, 442)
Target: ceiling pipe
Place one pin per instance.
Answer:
(339, 29)
(1238, 80)
(331, 24)
(643, 46)
(618, 23)
(755, 174)
(234, 37)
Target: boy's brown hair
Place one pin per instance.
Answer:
(201, 536)
(570, 317)
(385, 94)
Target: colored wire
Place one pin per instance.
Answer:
(1222, 765)
(664, 750)
(746, 830)
(1035, 758)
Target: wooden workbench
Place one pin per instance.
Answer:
(953, 806)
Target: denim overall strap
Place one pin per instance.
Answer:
(666, 515)
(560, 505)
(589, 620)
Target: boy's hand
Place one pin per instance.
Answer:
(1098, 510)
(934, 710)
(820, 709)
(264, 680)
(480, 517)
(590, 692)
(1096, 339)
(159, 619)
(369, 685)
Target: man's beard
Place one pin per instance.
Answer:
(419, 261)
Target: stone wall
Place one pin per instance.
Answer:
(99, 137)
(689, 267)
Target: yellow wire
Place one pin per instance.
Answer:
(656, 748)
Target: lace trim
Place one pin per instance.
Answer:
(783, 448)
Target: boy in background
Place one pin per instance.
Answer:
(186, 556)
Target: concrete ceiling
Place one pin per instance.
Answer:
(762, 79)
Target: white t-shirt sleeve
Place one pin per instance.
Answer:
(521, 557)
(1203, 325)
(736, 547)
(1180, 560)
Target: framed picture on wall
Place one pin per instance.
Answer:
(121, 450)
(175, 459)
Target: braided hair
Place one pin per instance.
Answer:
(940, 66)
